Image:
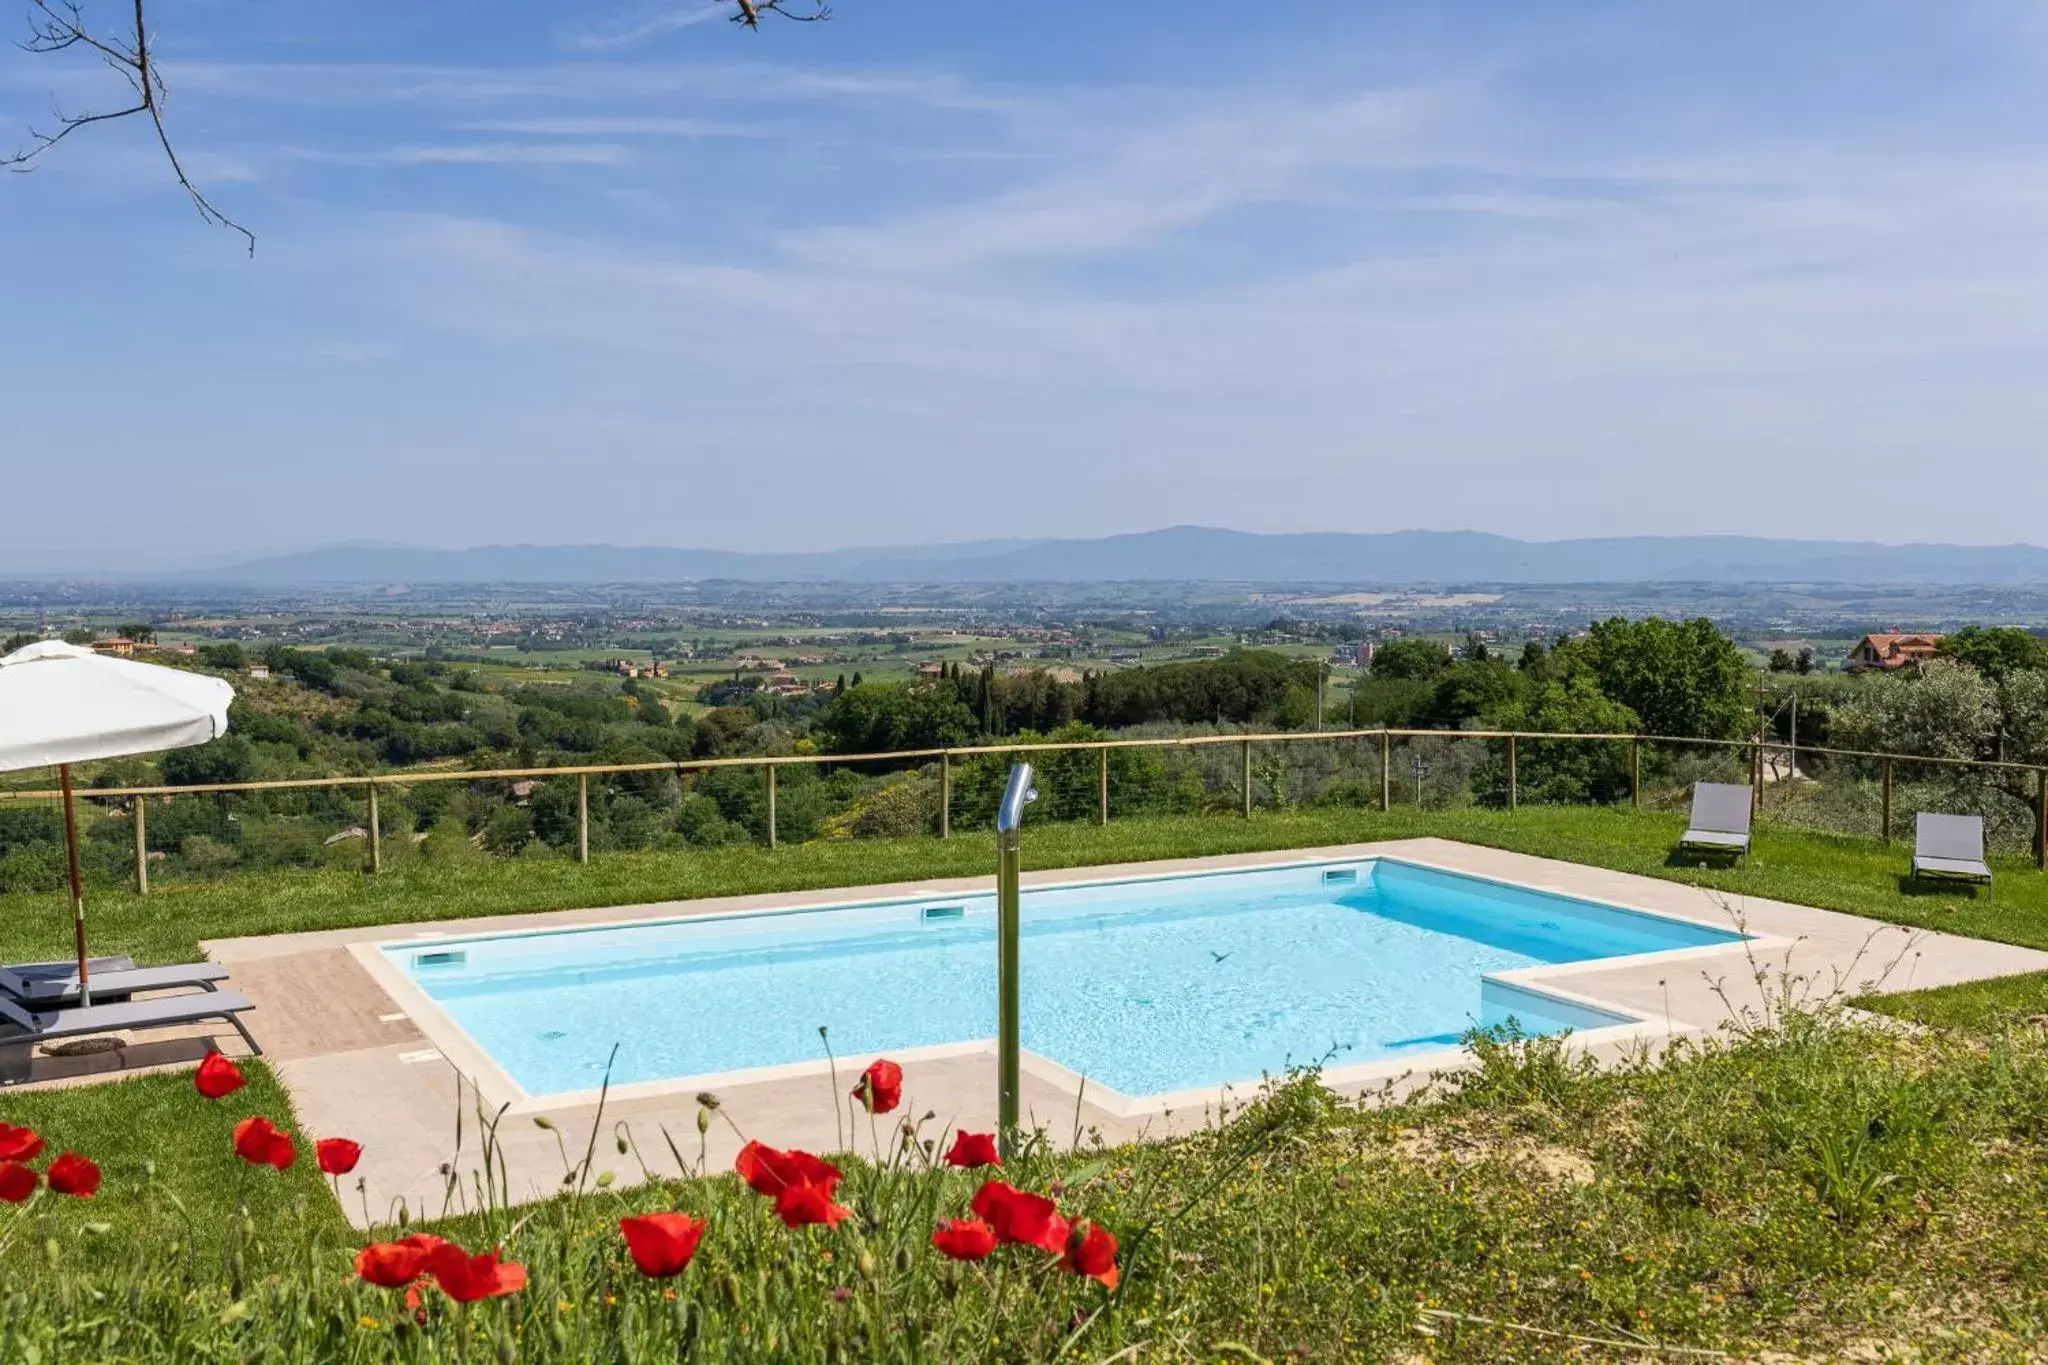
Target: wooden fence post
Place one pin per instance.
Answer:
(1386, 770)
(583, 817)
(1635, 773)
(141, 847)
(376, 834)
(1513, 783)
(1887, 800)
(1102, 786)
(2041, 820)
(946, 795)
(769, 768)
(1247, 779)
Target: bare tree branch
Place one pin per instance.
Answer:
(752, 10)
(59, 25)
(56, 27)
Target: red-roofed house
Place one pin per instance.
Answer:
(1891, 650)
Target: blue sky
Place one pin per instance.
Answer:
(932, 271)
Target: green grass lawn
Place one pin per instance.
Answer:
(1834, 872)
(2004, 1002)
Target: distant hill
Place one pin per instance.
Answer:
(1180, 553)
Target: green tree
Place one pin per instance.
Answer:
(1471, 689)
(1782, 660)
(1994, 651)
(1949, 710)
(875, 718)
(1573, 771)
(1679, 677)
(18, 641)
(1411, 656)
(227, 759)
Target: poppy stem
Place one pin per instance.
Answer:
(832, 1062)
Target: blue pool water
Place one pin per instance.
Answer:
(1144, 986)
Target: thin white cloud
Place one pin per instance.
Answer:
(614, 126)
(478, 154)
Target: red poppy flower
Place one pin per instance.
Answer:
(217, 1076)
(258, 1142)
(74, 1175)
(662, 1243)
(337, 1156)
(17, 1182)
(19, 1144)
(973, 1149)
(800, 1205)
(965, 1239)
(881, 1087)
(1029, 1220)
(1091, 1251)
(392, 1265)
(466, 1278)
(770, 1172)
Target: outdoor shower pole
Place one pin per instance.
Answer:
(1009, 850)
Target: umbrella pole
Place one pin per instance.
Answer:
(77, 884)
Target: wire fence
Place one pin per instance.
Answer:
(136, 834)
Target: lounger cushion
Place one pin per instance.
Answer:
(133, 1014)
(1951, 867)
(1713, 838)
(63, 989)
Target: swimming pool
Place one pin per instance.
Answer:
(1149, 985)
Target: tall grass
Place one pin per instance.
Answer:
(1811, 1186)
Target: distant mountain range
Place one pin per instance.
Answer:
(1180, 553)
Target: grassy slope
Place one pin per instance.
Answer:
(1834, 872)
(1815, 1191)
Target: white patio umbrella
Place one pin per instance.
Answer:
(60, 705)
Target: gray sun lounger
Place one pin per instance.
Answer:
(1720, 819)
(1949, 847)
(39, 1026)
(55, 989)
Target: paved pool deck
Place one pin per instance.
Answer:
(364, 1055)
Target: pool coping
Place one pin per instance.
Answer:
(499, 1088)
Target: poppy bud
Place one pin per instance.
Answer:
(604, 1180)
(866, 1263)
(543, 1122)
(706, 1100)
(703, 1120)
(623, 1148)
(902, 1260)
